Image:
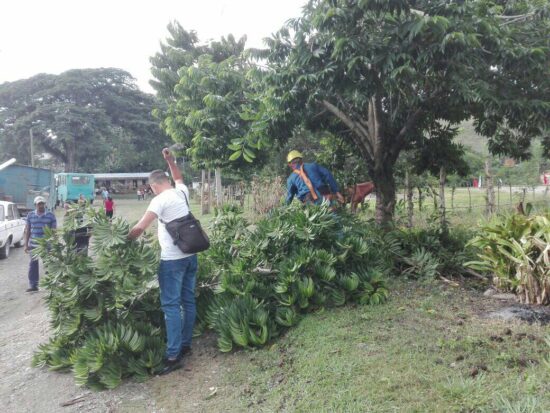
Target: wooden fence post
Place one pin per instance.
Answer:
(490, 189)
(453, 190)
(442, 180)
(498, 196)
(210, 191)
(219, 189)
(420, 198)
(410, 205)
(204, 209)
(469, 199)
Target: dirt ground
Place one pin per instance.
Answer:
(24, 322)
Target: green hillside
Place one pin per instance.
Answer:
(469, 138)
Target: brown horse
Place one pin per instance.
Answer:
(356, 194)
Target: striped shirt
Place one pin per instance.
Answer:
(36, 224)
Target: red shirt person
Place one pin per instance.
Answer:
(109, 207)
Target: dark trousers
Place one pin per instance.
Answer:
(33, 272)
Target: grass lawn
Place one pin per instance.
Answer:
(132, 210)
(431, 348)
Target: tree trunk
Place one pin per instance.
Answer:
(442, 207)
(70, 150)
(385, 194)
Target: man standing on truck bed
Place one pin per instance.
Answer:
(37, 220)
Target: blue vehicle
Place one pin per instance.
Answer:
(21, 184)
(71, 185)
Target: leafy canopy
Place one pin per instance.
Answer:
(91, 119)
(394, 75)
(204, 88)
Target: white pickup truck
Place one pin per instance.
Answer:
(12, 228)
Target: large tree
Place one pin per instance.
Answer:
(205, 90)
(91, 119)
(392, 75)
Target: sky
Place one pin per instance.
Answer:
(52, 36)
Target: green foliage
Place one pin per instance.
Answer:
(388, 76)
(105, 312)
(92, 119)
(516, 250)
(426, 253)
(263, 277)
(205, 89)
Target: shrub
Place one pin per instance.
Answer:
(516, 250)
(429, 252)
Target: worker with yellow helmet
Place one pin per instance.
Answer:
(310, 182)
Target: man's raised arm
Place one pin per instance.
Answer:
(174, 170)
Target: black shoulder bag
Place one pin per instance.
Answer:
(187, 232)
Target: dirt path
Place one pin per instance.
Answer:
(24, 324)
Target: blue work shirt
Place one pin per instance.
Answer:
(36, 224)
(318, 175)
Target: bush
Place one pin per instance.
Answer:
(516, 250)
(426, 253)
(259, 279)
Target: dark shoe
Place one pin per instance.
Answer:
(31, 289)
(169, 366)
(185, 351)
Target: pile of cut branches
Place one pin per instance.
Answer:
(105, 313)
(257, 280)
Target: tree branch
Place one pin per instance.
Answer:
(408, 124)
(53, 151)
(356, 129)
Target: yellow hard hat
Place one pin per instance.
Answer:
(293, 155)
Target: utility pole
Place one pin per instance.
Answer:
(32, 147)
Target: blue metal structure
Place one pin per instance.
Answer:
(71, 185)
(21, 184)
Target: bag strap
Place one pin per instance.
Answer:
(186, 203)
(185, 197)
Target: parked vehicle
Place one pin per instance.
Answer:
(71, 185)
(21, 184)
(12, 228)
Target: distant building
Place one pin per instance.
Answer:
(126, 182)
(121, 182)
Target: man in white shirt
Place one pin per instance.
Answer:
(177, 271)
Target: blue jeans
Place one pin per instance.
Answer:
(177, 294)
(33, 271)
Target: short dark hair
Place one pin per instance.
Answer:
(157, 177)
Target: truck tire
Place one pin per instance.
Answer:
(5, 250)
